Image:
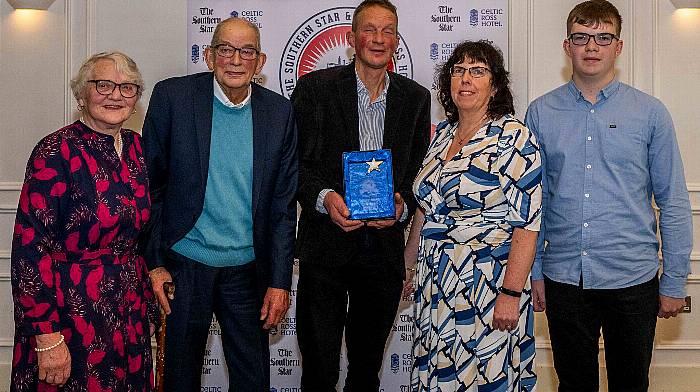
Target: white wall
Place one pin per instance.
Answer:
(40, 51)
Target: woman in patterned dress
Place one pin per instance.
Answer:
(474, 236)
(84, 309)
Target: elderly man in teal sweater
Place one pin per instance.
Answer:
(222, 162)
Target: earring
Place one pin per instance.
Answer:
(79, 107)
(133, 111)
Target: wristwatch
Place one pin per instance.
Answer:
(509, 292)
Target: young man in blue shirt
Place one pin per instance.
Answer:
(607, 149)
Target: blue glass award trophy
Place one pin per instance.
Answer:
(369, 184)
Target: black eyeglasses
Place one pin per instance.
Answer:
(225, 50)
(475, 72)
(601, 39)
(106, 87)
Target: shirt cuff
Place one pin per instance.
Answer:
(675, 274)
(319, 201)
(404, 214)
(672, 287)
(537, 269)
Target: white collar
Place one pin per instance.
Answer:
(221, 96)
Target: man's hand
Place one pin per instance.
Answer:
(339, 213)
(506, 313)
(274, 307)
(384, 223)
(539, 302)
(669, 306)
(159, 276)
(54, 364)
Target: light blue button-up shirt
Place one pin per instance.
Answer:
(603, 163)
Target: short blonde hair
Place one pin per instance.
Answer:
(124, 64)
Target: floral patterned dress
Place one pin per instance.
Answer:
(75, 265)
(472, 203)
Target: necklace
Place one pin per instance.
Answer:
(118, 143)
(460, 140)
(117, 139)
(469, 134)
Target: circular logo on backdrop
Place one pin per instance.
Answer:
(321, 42)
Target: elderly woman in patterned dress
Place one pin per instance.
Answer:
(475, 234)
(83, 304)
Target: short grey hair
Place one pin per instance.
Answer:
(217, 31)
(125, 65)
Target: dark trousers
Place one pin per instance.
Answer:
(230, 294)
(361, 297)
(627, 317)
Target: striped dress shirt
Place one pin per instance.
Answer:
(371, 123)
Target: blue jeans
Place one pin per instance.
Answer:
(627, 317)
(230, 294)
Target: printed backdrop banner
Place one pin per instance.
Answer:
(299, 36)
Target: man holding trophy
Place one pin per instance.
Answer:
(363, 131)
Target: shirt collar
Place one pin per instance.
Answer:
(221, 96)
(605, 93)
(362, 89)
(611, 88)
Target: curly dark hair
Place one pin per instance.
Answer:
(478, 51)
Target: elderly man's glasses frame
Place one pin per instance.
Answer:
(106, 87)
(226, 50)
(601, 39)
(475, 72)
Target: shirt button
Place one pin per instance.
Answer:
(592, 110)
(587, 194)
(588, 166)
(589, 138)
(584, 253)
(585, 224)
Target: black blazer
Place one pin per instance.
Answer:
(177, 136)
(325, 103)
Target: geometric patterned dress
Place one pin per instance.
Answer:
(75, 264)
(472, 203)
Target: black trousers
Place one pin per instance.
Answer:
(230, 293)
(362, 298)
(627, 318)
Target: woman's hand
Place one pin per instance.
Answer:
(522, 251)
(410, 253)
(506, 313)
(54, 364)
(409, 286)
